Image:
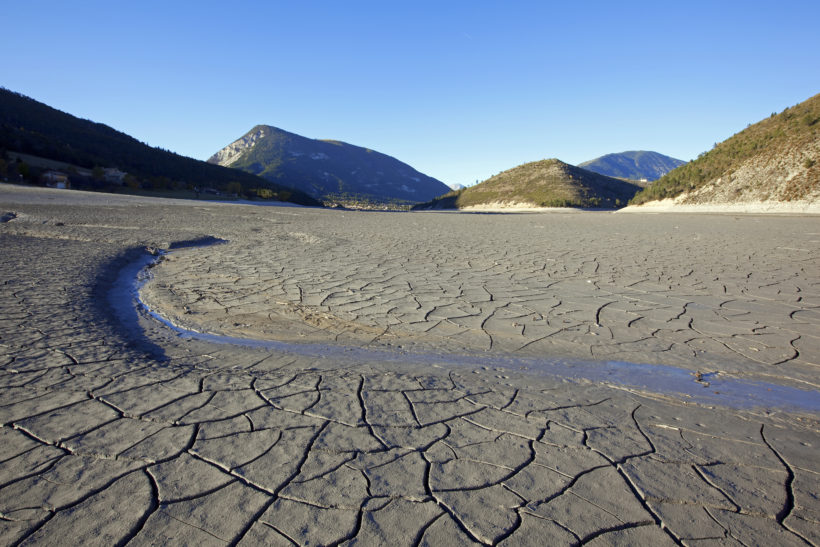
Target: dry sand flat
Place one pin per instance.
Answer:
(115, 430)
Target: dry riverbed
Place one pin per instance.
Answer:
(415, 392)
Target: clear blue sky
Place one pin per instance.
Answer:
(459, 90)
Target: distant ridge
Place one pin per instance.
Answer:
(634, 165)
(34, 128)
(325, 169)
(545, 183)
(776, 160)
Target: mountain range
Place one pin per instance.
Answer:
(33, 128)
(545, 183)
(774, 160)
(328, 170)
(634, 165)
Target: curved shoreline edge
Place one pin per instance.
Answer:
(713, 388)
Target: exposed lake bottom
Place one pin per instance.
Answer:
(708, 389)
(395, 377)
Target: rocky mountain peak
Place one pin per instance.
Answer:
(330, 170)
(228, 155)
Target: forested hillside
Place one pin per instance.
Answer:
(34, 128)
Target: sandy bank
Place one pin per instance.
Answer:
(671, 205)
(512, 207)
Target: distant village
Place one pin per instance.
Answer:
(17, 167)
(61, 180)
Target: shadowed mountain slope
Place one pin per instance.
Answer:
(634, 165)
(327, 169)
(31, 127)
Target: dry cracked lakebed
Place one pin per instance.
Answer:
(424, 379)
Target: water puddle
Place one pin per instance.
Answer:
(708, 388)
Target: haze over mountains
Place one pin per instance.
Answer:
(545, 183)
(634, 165)
(776, 160)
(326, 169)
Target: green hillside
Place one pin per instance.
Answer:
(546, 183)
(31, 127)
(790, 138)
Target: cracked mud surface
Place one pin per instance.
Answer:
(738, 296)
(116, 431)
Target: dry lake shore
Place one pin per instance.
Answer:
(431, 378)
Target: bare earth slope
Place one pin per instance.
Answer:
(767, 165)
